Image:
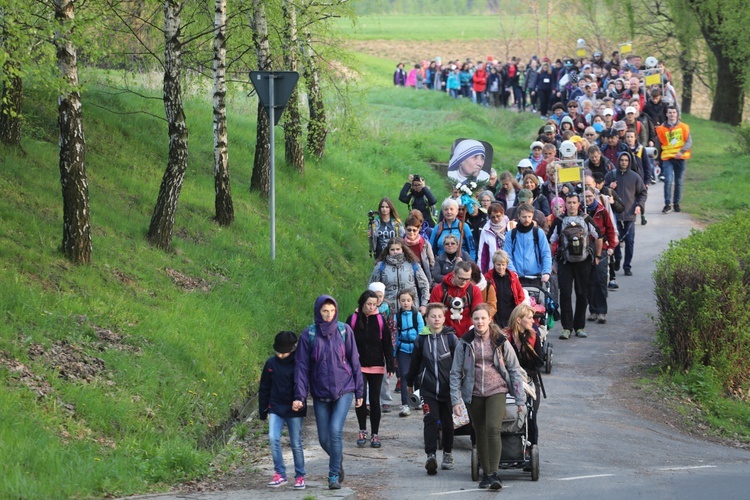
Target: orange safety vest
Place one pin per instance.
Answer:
(672, 140)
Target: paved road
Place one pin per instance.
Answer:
(591, 445)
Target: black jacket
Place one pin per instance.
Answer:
(431, 362)
(276, 391)
(375, 347)
(421, 201)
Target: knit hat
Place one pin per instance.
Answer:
(465, 149)
(376, 286)
(285, 342)
(536, 144)
(524, 196)
(620, 126)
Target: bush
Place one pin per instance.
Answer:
(701, 287)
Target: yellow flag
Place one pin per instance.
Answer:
(570, 174)
(654, 79)
(626, 48)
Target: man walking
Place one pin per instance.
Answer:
(676, 142)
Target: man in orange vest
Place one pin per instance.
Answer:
(676, 142)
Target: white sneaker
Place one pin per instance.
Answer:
(405, 411)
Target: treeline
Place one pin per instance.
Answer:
(444, 7)
(47, 42)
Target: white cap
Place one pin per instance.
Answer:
(629, 109)
(376, 286)
(525, 163)
(608, 111)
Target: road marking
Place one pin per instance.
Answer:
(584, 477)
(688, 467)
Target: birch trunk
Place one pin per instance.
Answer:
(162, 221)
(316, 127)
(223, 201)
(11, 100)
(294, 153)
(76, 243)
(261, 178)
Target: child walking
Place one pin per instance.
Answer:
(384, 308)
(275, 397)
(430, 365)
(408, 325)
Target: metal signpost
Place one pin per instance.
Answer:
(274, 89)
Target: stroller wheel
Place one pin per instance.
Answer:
(474, 464)
(535, 463)
(548, 360)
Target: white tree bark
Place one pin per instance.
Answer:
(223, 192)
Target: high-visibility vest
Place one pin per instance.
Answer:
(673, 140)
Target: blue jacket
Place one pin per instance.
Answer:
(327, 366)
(436, 240)
(407, 330)
(526, 258)
(276, 391)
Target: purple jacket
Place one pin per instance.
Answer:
(327, 365)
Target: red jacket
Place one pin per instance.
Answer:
(447, 291)
(480, 80)
(515, 284)
(605, 225)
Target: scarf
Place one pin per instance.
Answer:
(416, 247)
(592, 208)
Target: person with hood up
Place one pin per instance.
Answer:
(327, 366)
(632, 191)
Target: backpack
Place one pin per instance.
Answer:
(311, 332)
(439, 228)
(401, 325)
(414, 267)
(574, 239)
(468, 295)
(380, 322)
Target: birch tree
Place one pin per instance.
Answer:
(316, 127)
(162, 220)
(294, 153)
(11, 97)
(223, 192)
(261, 179)
(76, 243)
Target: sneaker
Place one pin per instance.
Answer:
(593, 317)
(333, 483)
(616, 265)
(362, 439)
(431, 464)
(299, 483)
(447, 462)
(375, 441)
(485, 482)
(565, 335)
(581, 333)
(613, 285)
(628, 272)
(386, 408)
(278, 480)
(677, 207)
(644, 221)
(342, 474)
(666, 209)
(602, 319)
(495, 483)
(404, 411)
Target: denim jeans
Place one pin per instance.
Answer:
(294, 424)
(673, 171)
(330, 417)
(626, 230)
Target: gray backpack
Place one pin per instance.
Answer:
(574, 239)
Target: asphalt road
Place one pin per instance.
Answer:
(591, 445)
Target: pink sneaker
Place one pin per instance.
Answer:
(299, 483)
(278, 480)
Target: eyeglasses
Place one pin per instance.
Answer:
(459, 278)
(412, 230)
(571, 107)
(590, 135)
(449, 243)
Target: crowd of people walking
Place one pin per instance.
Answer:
(445, 309)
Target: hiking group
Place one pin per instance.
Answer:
(445, 309)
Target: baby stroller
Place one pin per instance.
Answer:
(518, 451)
(543, 305)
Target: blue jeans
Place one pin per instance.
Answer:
(294, 424)
(673, 171)
(626, 230)
(330, 417)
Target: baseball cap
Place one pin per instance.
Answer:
(525, 195)
(629, 109)
(548, 128)
(608, 111)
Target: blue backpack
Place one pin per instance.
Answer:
(311, 332)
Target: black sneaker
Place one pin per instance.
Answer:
(431, 464)
(666, 209)
(628, 272)
(485, 482)
(644, 221)
(677, 207)
(495, 483)
(342, 474)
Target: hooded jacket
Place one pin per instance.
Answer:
(397, 273)
(446, 291)
(504, 361)
(327, 366)
(431, 363)
(630, 188)
(276, 391)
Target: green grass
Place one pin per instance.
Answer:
(430, 28)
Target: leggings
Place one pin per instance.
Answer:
(487, 418)
(372, 384)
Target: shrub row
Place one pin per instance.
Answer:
(701, 287)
